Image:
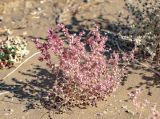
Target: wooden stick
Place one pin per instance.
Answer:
(4, 93)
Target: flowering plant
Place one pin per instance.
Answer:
(83, 74)
(142, 105)
(12, 50)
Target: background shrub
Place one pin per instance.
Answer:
(12, 50)
(142, 25)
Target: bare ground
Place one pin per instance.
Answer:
(33, 18)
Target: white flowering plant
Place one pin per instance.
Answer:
(12, 50)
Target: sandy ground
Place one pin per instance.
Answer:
(33, 18)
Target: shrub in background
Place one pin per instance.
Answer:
(84, 75)
(143, 24)
(12, 50)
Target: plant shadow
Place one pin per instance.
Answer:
(33, 90)
(106, 28)
(148, 82)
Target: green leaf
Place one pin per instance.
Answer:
(1, 55)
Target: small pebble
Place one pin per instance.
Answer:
(124, 107)
(104, 112)
(25, 33)
(99, 114)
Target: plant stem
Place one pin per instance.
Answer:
(21, 64)
(150, 68)
(140, 114)
(4, 93)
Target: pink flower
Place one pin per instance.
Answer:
(88, 74)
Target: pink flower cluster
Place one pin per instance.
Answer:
(83, 77)
(142, 105)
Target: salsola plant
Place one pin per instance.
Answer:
(143, 22)
(84, 75)
(12, 50)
